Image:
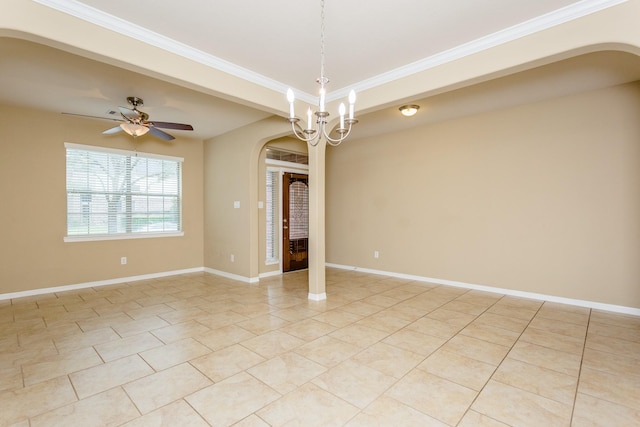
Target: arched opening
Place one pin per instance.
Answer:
(278, 157)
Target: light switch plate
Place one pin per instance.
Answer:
(236, 204)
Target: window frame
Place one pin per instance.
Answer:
(273, 215)
(121, 235)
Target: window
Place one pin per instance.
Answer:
(271, 208)
(122, 194)
(287, 156)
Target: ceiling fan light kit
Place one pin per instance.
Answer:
(133, 129)
(313, 136)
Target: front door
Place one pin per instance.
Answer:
(295, 221)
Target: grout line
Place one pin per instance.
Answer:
(503, 359)
(195, 410)
(584, 346)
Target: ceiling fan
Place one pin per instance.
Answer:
(136, 123)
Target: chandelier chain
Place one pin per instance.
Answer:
(322, 76)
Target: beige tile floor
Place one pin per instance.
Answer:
(198, 350)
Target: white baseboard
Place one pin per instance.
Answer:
(541, 297)
(42, 291)
(270, 274)
(98, 283)
(232, 276)
(317, 297)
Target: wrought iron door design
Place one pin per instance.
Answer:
(295, 221)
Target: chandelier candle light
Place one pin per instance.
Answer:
(311, 135)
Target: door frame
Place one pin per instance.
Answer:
(286, 242)
(282, 167)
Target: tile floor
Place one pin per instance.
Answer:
(198, 350)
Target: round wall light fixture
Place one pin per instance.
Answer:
(409, 110)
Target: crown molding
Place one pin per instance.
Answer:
(540, 23)
(121, 26)
(129, 29)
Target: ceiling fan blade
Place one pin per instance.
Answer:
(136, 119)
(92, 117)
(160, 134)
(112, 130)
(129, 113)
(169, 125)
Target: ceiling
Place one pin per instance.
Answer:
(280, 39)
(38, 76)
(276, 44)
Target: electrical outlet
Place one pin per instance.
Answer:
(233, 258)
(123, 260)
(376, 254)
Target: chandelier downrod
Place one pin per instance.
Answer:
(313, 136)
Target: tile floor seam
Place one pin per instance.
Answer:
(263, 382)
(488, 416)
(145, 362)
(584, 346)
(547, 347)
(595, 368)
(469, 408)
(532, 392)
(478, 392)
(192, 407)
(24, 383)
(124, 390)
(75, 391)
(455, 382)
(618, 338)
(613, 402)
(398, 380)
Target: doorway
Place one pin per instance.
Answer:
(295, 221)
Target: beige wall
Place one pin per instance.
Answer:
(231, 163)
(542, 198)
(33, 213)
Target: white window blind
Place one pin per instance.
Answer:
(121, 194)
(271, 208)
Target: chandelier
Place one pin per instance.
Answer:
(309, 134)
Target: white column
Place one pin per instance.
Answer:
(316, 221)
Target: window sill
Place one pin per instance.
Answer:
(99, 237)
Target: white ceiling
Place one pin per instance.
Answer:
(276, 43)
(280, 39)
